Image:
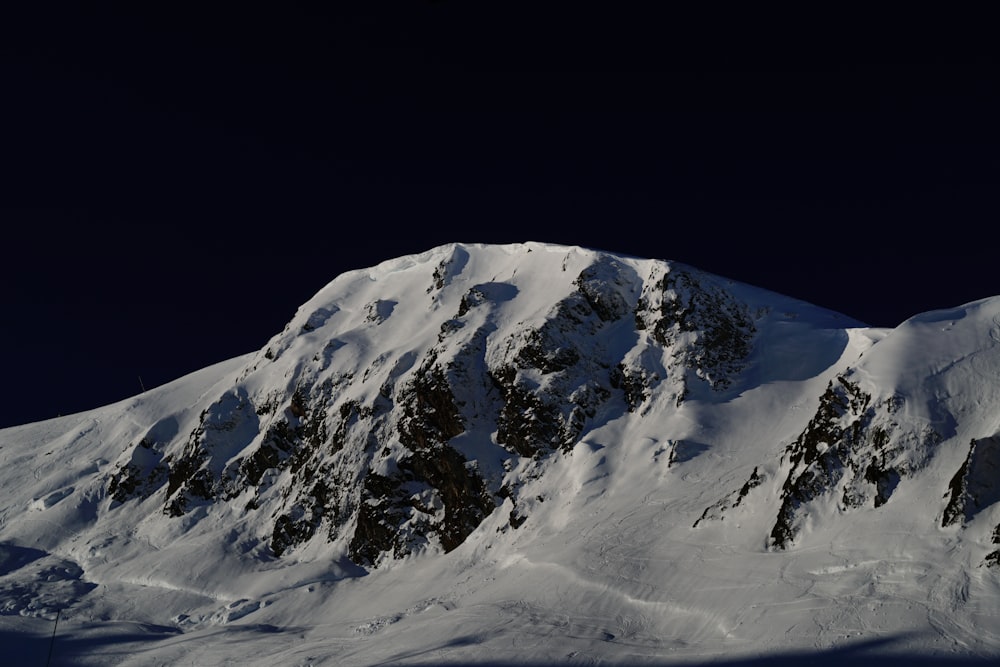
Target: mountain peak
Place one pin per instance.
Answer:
(573, 417)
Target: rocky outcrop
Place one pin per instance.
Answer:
(976, 484)
(717, 511)
(707, 332)
(225, 429)
(427, 491)
(144, 472)
(142, 475)
(992, 559)
(365, 454)
(853, 445)
(555, 377)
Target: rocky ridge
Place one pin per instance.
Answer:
(411, 449)
(478, 423)
(370, 451)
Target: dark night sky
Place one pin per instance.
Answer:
(178, 183)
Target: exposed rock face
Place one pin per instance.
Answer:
(708, 333)
(976, 485)
(473, 415)
(145, 470)
(431, 490)
(852, 445)
(853, 452)
(718, 328)
(365, 453)
(226, 429)
(992, 559)
(141, 476)
(717, 511)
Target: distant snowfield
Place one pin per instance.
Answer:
(607, 568)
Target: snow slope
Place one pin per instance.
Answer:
(526, 454)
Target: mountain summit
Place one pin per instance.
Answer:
(526, 453)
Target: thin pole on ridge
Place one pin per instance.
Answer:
(53, 640)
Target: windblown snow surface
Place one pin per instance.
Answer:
(675, 468)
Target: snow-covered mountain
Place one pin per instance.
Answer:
(525, 453)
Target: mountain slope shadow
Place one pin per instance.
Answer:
(790, 357)
(868, 653)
